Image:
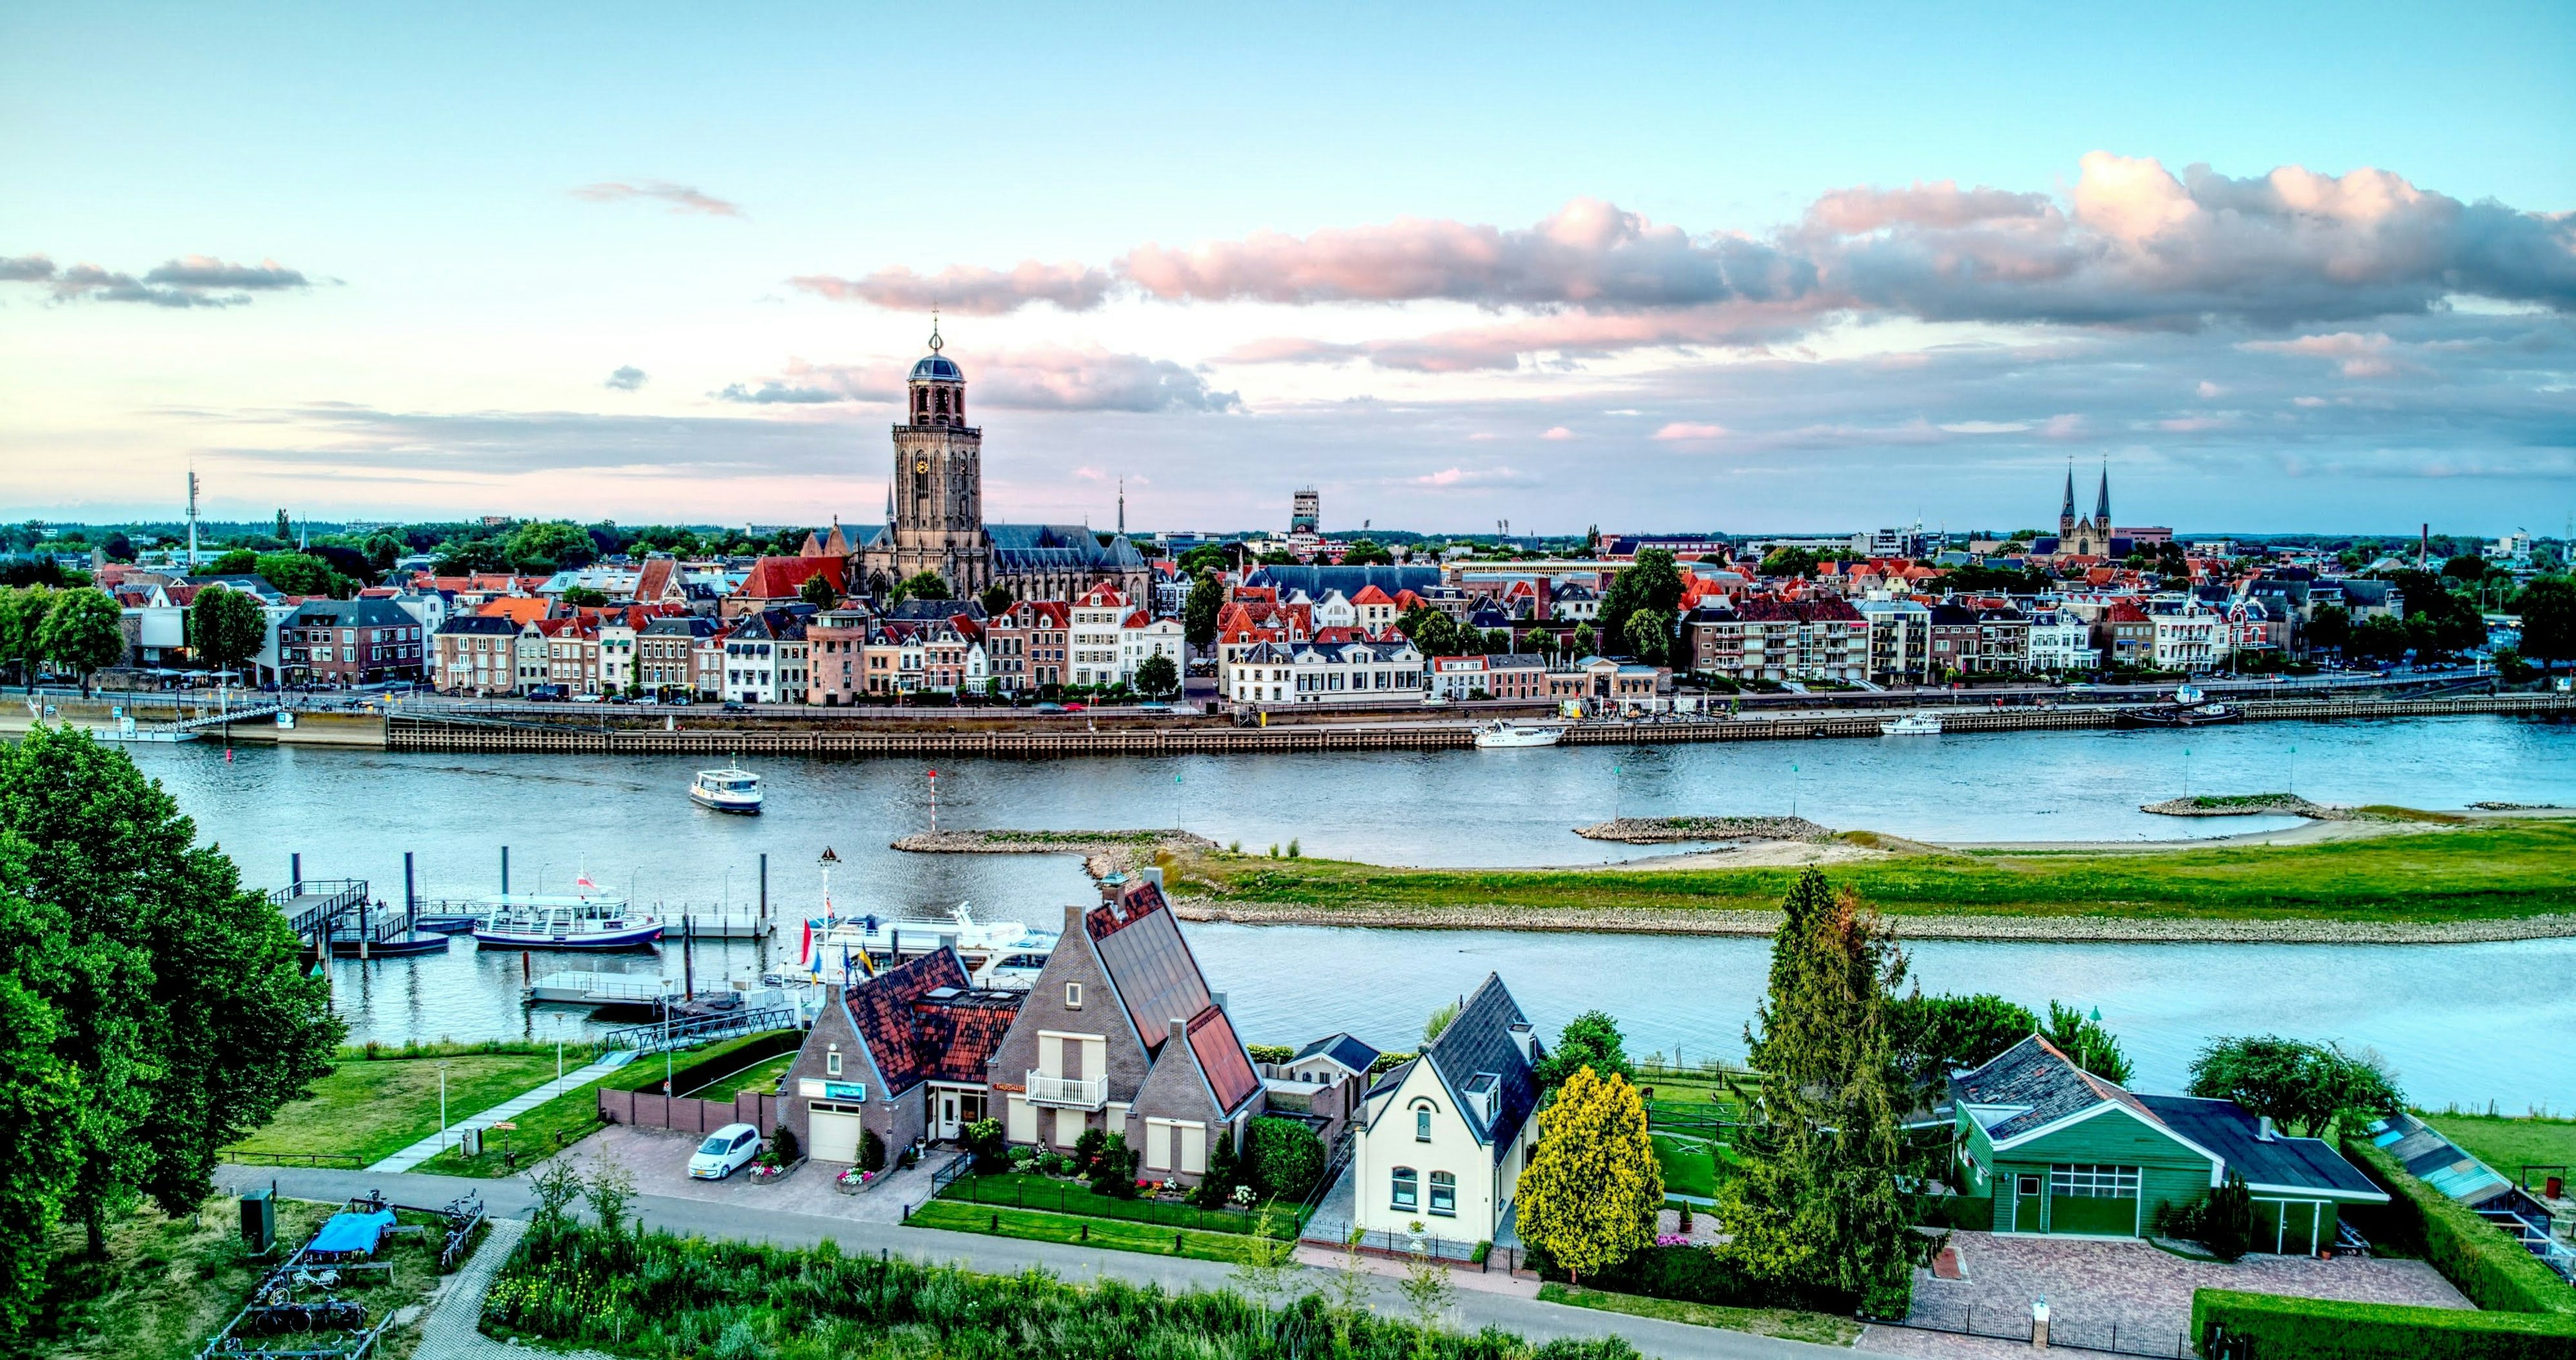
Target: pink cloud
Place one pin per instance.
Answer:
(1557, 432)
(681, 197)
(1690, 430)
(2355, 355)
(966, 289)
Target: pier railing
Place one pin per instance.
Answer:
(693, 1030)
(311, 903)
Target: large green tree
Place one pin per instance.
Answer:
(1158, 677)
(2082, 1037)
(549, 546)
(1199, 612)
(226, 627)
(1591, 1040)
(180, 1002)
(1653, 581)
(1933, 1036)
(1589, 1195)
(22, 628)
(40, 1093)
(1649, 635)
(84, 631)
(2302, 1086)
(1817, 1204)
(2548, 609)
(1436, 634)
(924, 585)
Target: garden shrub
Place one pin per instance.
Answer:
(871, 1151)
(783, 1147)
(1086, 1148)
(2491, 1269)
(1113, 1167)
(1224, 1171)
(1270, 1053)
(1699, 1275)
(984, 1140)
(1286, 1158)
(2276, 1327)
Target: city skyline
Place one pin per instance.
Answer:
(1648, 272)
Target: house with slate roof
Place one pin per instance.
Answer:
(2044, 1147)
(901, 1054)
(1120, 1033)
(1442, 1138)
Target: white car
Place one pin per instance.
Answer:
(727, 1150)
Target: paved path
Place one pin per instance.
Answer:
(510, 1198)
(453, 1330)
(512, 1108)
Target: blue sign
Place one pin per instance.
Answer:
(840, 1090)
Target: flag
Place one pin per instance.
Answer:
(805, 949)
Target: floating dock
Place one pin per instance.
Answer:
(583, 987)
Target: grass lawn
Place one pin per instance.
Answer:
(566, 1119)
(1099, 1232)
(1048, 1194)
(760, 1076)
(2503, 870)
(169, 1283)
(1690, 1165)
(2508, 1144)
(372, 1109)
(1821, 1328)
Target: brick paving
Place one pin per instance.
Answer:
(2093, 1286)
(659, 1161)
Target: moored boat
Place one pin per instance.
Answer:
(1502, 734)
(1000, 955)
(731, 789)
(1912, 725)
(586, 918)
(2190, 708)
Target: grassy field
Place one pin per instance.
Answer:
(568, 1118)
(1822, 1328)
(2500, 870)
(1097, 1232)
(1690, 1165)
(373, 1109)
(761, 1076)
(2508, 1144)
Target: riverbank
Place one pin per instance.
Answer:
(2478, 880)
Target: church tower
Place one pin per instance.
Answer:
(2066, 512)
(939, 479)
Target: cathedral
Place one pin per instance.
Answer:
(935, 513)
(2089, 537)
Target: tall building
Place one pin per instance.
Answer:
(1305, 513)
(935, 512)
(2089, 537)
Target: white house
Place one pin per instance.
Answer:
(1142, 636)
(2189, 640)
(1318, 672)
(1442, 1139)
(1099, 619)
(2061, 642)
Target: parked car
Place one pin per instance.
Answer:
(1076, 708)
(1050, 708)
(585, 698)
(1153, 708)
(727, 1150)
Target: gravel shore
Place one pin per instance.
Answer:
(1663, 830)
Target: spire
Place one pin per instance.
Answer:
(1122, 507)
(2102, 502)
(889, 502)
(2067, 511)
(935, 342)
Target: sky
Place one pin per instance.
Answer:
(1739, 268)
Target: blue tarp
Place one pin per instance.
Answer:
(353, 1232)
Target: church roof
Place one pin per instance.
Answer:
(1051, 547)
(937, 368)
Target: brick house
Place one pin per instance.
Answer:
(1120, 1033)
(836, 644)
(666, 655)
(1774, 637)
(476, 655)
(350, 642)
(902, 1055)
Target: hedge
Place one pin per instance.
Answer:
(2273, 1327)
(1699, 1275)
(2491, 1269)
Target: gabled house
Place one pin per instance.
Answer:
(1443, 1138)
(1120, 1033)
(901, 1054)
(2051, 1148)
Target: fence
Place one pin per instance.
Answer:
(264, 1157)
(2064, 1333)
(1019, 1190)
(695, 1030)
(1483, 1255)
(646, 1110)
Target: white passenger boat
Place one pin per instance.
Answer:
(586, 918)
(731, 789)
(1912, 725)
(1000, 955)
(1502, 735)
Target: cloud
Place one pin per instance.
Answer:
(966, 289)
(1689, 429)
(189, 281)
(2208, 390)
(625, 379)
(681, 197)
(1470, 478)
(775, 393)
(2356, 355)
(1044, 378)
(1557, 432)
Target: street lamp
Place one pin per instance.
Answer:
(442, 1107)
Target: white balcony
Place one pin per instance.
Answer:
(1068, 1093)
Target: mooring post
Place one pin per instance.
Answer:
(411, 900)
(295, 875)
(764, 885)
(505, 871)
(362, 930)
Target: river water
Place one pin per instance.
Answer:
(2467, 1023)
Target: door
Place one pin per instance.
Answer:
(833, 1137)
(2027, 1204)
(948, 1127)
(2298, 1235)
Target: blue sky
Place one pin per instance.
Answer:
(1639, 267)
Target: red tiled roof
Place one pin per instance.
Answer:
(1220, 1053)
(916, 1037)
(655, 582)
(780, 578)
(1371, 595)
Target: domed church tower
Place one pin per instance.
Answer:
(939, 479)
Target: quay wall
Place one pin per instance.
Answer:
(311, 728)
(1051, 738)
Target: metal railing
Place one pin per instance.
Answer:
(1083, 1093)
(338, 895)
(2067, 1333)
(698, 1029)
(264, 1157)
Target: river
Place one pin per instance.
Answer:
(2460, 1022)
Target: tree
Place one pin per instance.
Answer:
(1438, 1020)
(1207, 559)
(1499, 642)
(1282, 1158)
(996, 599)
(1817, 1204)
(2548, 608)
(226, 627)
(1590, 1040)
(583, 597)
(1113, 1169)
(1589, 1196)
(1224, 1171)
(2329, 628)
(2379, 638)
(238, 562)
(548, 546)
(2466, 570)
(83, 630)
(2304, 1087)
(818, 592)
(2082, 1038)
(470, 556)
(180, 1004)
(1199, 612)
(1933, 1036)
(1653, 581)
(41, 1097)
(1788, 562)
(926, 585)
(295, 573)
(22, 626)
(1157, 676)
(1585, 640)
(1649, 634)
(1364, 552)
(1432, 632)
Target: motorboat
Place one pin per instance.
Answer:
(1912, 725)
(586, 918)
(731, 789)
(998, 955)
(2190, 708)
(1504, 735)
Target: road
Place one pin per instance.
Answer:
(1001, 1255)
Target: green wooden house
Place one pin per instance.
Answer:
(2042, 1146)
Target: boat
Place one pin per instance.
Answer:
(586, 918)
(731, 789)
(126, 729)
(2190, 708)
(998, 955)
(1503, 735)
(1912, 725)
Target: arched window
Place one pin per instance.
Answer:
(1444, 1194)
(1408, 1189)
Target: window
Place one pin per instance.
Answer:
(1073, 996)
(1422, 1124)
(2085, 1181)
(1408, 1189)
(1444, 1195)
(832, 1063)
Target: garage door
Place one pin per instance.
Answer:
(834, 1136)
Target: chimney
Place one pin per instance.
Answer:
(1073, 912)
(1152, 874)
(1526, 1040)
(1181, 1032)
(2263, 1129)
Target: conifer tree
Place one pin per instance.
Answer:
(1589, 1196)
(1817, 1206)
